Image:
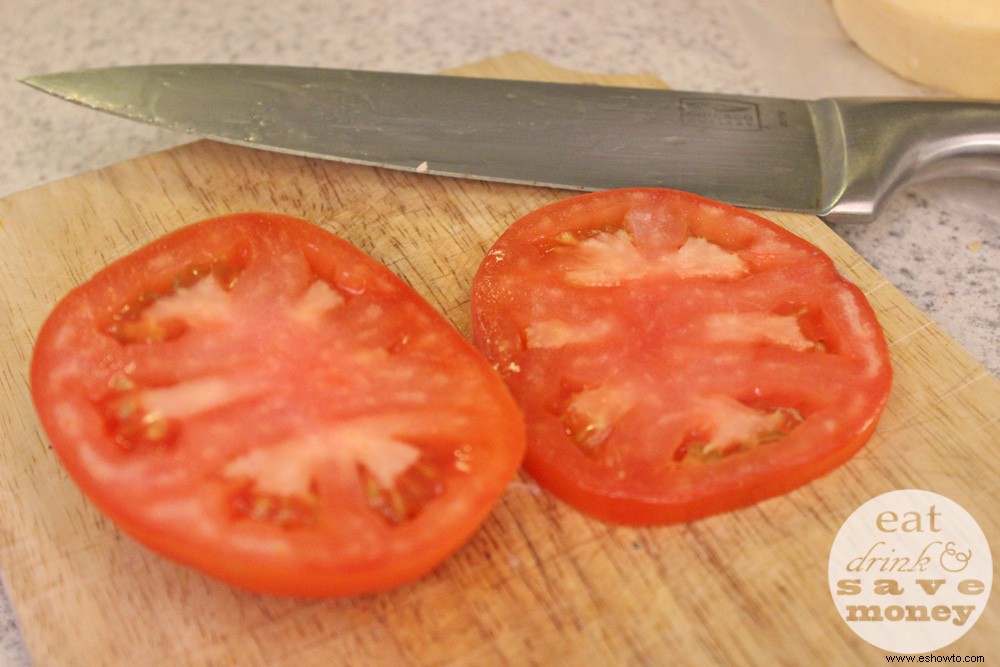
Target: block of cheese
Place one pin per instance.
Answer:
(953, 45)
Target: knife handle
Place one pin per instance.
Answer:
(872, 147)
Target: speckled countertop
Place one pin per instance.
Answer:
(938, 242)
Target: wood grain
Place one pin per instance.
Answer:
(539, 584)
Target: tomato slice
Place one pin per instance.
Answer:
(676, 357)
(254, 397)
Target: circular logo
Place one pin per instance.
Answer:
(910, 571)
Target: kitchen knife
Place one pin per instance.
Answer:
(838, 158)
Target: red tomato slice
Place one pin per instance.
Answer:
(256, 398)
(676, 357)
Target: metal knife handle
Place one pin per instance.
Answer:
(872, 147)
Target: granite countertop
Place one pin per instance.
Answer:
(939, 243)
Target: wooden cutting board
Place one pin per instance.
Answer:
(539, 584)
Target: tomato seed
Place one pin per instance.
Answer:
(587, 437)
(127, 420)
(121, 382)
(786, 419)
(286, 512)
(130, 326)
(413, 490)
(463, 459)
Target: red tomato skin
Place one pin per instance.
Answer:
(503, 325)
(179, 499)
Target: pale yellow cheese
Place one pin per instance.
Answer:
(953, 45)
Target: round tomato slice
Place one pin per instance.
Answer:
(256, 398)
(676, 357)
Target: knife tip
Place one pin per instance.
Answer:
(33, 80)
(55, 83)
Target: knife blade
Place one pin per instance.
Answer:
(839, 158)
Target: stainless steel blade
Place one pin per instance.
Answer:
(835, 158)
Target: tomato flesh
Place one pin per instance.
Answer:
(676, 357)
(254, 397)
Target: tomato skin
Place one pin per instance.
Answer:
(255, 398)
(676, 357)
